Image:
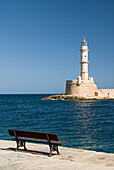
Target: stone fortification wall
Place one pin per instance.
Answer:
(107, 92)
(71, 87)
(84, 89)
(87, 88)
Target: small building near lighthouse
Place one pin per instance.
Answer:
(84, 86)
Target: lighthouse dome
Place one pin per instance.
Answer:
(84, 42)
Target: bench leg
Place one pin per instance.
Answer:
(24, 145)
(58, 151)
(20, 144)
(17, 145)
(53, 148)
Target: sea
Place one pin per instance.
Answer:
(83, 124)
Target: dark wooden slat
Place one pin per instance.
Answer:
(32, 140)
(40, 141)
(30, 134)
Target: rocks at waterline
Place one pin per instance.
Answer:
(70, 97)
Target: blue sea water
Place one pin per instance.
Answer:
(83, 124)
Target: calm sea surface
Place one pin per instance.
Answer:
(85, 125)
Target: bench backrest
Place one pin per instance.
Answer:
(31, 134)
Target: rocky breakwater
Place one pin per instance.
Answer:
(70, 97)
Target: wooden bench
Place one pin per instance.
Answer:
(22, 136)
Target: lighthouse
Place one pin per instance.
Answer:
(84, 85)
(84, 60)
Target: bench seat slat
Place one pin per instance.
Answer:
(40, 141)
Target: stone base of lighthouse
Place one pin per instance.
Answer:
(82, 88)
(87, 89)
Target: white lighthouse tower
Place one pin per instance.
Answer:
(84, 85)
(84, 60)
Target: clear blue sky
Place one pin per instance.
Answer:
(40, 43)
